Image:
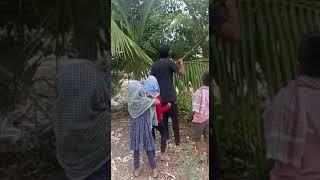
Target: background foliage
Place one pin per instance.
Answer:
(139, 29)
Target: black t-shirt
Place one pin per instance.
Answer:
(163, 70)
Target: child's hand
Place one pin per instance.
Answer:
(156, 102)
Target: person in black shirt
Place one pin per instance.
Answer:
(224, 24)
(163, 70)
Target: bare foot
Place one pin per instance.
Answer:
(137, 172)
(164, 157)
(155, 173)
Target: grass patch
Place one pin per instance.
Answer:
(191, 166)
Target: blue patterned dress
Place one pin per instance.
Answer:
(140, 133)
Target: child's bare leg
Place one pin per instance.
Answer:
(199, 147)
(196, 133)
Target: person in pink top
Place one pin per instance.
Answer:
(292, 120)
(200, 107)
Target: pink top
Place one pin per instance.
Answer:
(310, 169)
(200, 105)
(310, 163)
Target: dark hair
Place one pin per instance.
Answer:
(309, 54)
(206, 79)
(164, 51)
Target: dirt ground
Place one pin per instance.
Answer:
(184, 164)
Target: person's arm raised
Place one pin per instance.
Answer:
(182, 68)
(156, 102)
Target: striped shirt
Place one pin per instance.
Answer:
(200, 105)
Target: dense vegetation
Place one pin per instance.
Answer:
(138, 31)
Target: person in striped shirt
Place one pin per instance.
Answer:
(200, 107)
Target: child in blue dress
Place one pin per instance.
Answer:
(143, 117)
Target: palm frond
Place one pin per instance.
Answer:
(125, 49)
(134, 15)
(192, 78)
